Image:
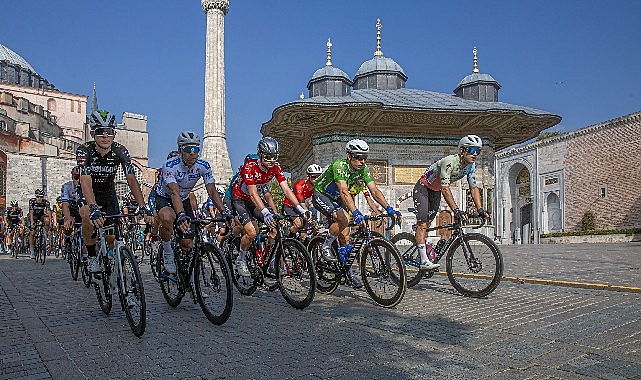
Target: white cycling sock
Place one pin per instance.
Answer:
(423, 251)
(242, 254)
(166, 247)
(329, 239)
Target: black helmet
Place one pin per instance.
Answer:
(40, 192)
(268, 145)
(59, 199)
(101, 118)
(14, 203)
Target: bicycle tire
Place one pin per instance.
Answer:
(130, 287)
(244, 285)
(212, 284)
(405, 243)
(474, 281)
(295, 267)
(383, 272)
(152, 260)
(41, 247)
(72, 259)
(326, 278)
(170, 286)
(54, 244)
(102, 287)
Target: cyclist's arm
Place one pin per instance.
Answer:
(270, 200)
(476, 196)
(193, 201)
(174, 191)
(87, 189)
(289, 194)
(372, 205)
(255, 198)
(376, 194)
(31, 218)
(134, 186)
(449, 198)
(347, 198)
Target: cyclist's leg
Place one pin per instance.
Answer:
(166, 217)
(426, 202)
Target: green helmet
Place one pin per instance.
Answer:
(101, 118)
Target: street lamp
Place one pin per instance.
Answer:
(503, 202)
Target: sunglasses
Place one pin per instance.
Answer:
(105, 131)
(191, 149)
(359, 157)
(270, 157)
(39, 196)
(474, 150)
(312, 176)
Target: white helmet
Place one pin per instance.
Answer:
(357, 146)
(314, 169)
(470, 141)
(188, 138)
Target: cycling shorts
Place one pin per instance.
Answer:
(246, 211)
(426, 202)
(162, 202)
(326, 206)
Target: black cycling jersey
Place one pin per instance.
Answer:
(102, 169)
(13, 216)
(130, 205)
(38, 208)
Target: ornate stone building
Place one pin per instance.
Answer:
(407, 129)
(548, 185)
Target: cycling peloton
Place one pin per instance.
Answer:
(333, 199)
(173, 202)
(99, 161)
(303, 190)
(246, 201)
(39, 210)
(436, 181)
(15, 223)
(70, 210)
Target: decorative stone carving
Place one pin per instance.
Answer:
(221, 5)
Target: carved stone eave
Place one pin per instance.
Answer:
(221, 5)
(294, 124)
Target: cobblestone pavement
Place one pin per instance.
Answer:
(52, 327)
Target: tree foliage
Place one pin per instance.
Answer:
(547, 135)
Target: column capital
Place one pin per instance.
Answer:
(221, 5)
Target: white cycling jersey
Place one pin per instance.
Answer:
(68, 192)
(175, 171)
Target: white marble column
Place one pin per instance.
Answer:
(215, 139)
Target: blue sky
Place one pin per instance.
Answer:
(576, 59)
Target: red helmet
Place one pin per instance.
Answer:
(75, 171)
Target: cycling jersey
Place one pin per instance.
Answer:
(262, 189)
(448, 170)
(58, 210)
(205, 208)
(13, 216)
(68, 193)
(340, 170)
(302, 190)
(130, 205)
(38, 207)
(102, 169)
(175, 171)
(254, 173)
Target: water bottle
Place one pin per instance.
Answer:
(431, 253)
(343, 254)
(110, 253)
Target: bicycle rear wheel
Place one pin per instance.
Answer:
(212, 284)
(383, 272)
(326, 277)
(132, 292)
(295, 273)
(474, 265)
(102, 286)
(406, 245)
(170, 286)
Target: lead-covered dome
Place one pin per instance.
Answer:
(13, 58)
(329, 80)
(16, 70)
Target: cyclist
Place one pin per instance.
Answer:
(303, 190)
(39, 210)
(99, 161)
(333, 199)
(246, 201)
(436, 181)
(173, 202)
(70, 205)
(15, 223)
(59, 219)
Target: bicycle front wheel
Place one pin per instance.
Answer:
(383, 272)
(42, 249)
(295, 273)
(474, 265)
(212, 284)
(132, 292)
(406, 245)
(102, 287)
(172, 290)
(327, 276)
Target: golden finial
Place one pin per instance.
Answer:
(476, 61)
(302, 96)
(378, 52)
(329, 53)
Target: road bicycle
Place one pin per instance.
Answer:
(201, 271)
(473, 262)
(381, 267)
(40, 243)
(284, 264)
(17, 242)
(72, 249)
(135, 239)
(119, 273)
(151, 247)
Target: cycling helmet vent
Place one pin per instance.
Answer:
(357, 146)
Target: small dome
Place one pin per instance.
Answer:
(476, 77)
(379, 63)
(13, 58)
(329, 71)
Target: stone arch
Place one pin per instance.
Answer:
(521, 211)
(51, 104)
(553, 211)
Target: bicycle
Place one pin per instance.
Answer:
(285, 265)
(119, 274)
(40, 243)
(381, 266)
(469, 258)
(16, 241)
(134, 238)
(202, 272)
(73, 251)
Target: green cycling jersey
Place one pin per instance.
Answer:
(340, 170)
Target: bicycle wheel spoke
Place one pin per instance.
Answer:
(295, 272)
(132, 293)
(212, 284)
(383, 272)
(474, 265)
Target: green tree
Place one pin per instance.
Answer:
(588, 222)
(277, 192)
(547, 135)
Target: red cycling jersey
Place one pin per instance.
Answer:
(254, 173)
(302, 191)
